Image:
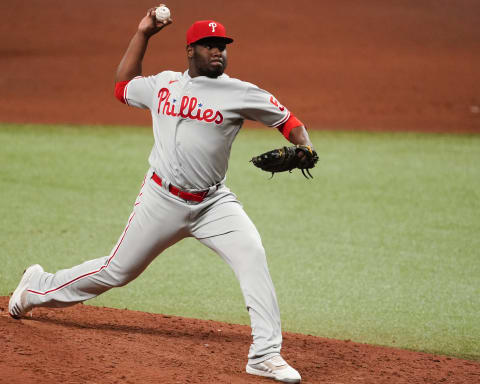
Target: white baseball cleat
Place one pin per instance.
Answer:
(18, 305)
(275, 368)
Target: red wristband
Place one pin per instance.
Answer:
(291, 123)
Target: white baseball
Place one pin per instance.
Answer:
(162, 13)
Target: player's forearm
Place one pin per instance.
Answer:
(131, 63)
(299, 136)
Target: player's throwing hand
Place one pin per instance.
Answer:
(149, 25)
(196, 115)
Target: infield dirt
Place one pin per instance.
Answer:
(86, 344)
(377, 65)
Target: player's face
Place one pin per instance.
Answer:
(208, 57)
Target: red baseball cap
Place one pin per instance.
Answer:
(207, 28)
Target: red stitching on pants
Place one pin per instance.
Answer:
(90, 273)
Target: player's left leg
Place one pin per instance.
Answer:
(225, 228)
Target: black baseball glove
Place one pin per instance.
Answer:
(284, 159)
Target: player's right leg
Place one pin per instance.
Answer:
(156, 222)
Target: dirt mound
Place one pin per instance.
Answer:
(372, 64)
(86, 344)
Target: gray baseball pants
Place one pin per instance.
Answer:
(159, 220)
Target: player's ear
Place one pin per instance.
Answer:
(189, 51)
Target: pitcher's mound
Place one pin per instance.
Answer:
(86, 344)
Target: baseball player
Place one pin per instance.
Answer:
(196, 116)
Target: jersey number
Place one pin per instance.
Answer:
(276, 103)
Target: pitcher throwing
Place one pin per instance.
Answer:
(196, 116)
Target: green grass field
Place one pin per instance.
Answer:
(381, 247)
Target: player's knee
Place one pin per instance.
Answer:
(251, 255)
(122, 281)
(120, 278)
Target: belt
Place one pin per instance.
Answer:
(190, 196)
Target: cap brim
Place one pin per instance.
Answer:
(226, 40)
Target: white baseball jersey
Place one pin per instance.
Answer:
(195, 121)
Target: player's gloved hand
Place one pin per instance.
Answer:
(284, 159)
(149, 25)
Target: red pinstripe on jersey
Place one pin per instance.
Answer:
(284, 119)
